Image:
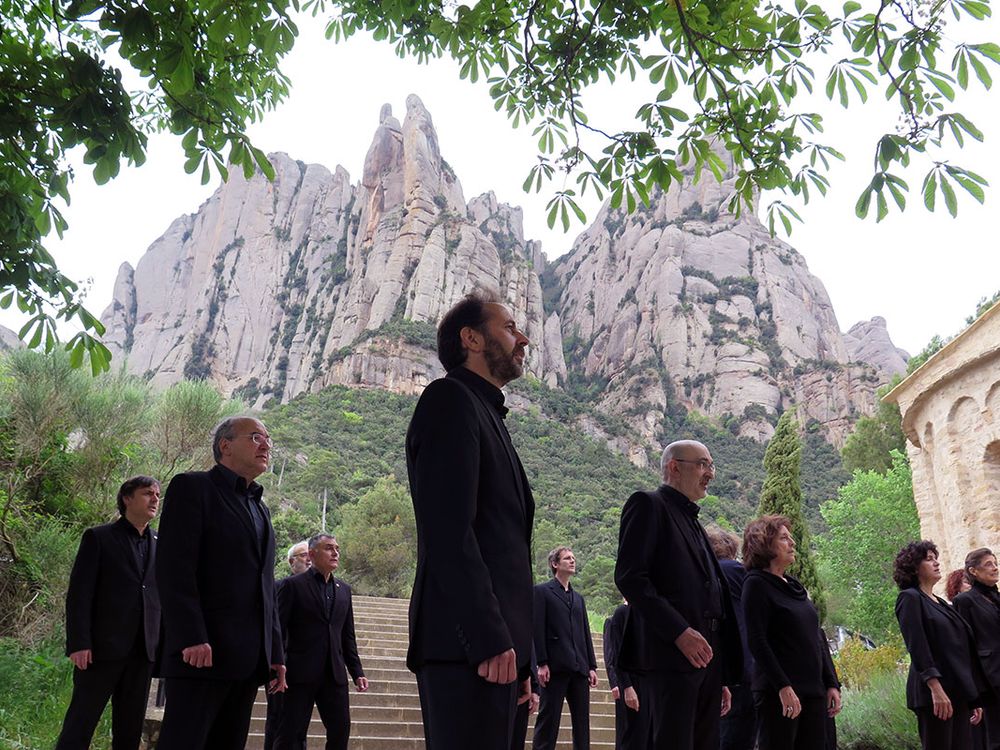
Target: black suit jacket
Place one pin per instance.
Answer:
(472, 593)
(940, 645)
(216, 582)
(562, 633)
(983, 617)
(314, 637)
(614, 628)
(664, 574)
(109, 599)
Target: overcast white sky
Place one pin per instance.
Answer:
(923, 272)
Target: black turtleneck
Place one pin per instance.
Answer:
(784, 636)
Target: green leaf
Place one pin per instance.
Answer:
(930, 189)
(950, 200)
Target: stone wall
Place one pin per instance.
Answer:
(951, 417)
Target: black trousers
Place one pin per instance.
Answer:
(807, 731)
(207, 714)
(954, 734)
(677, 710)
(520, 732)
(990, 725)
(574, 688)
(461, 710)
(739, 727)
(125, 682)
(333, 704)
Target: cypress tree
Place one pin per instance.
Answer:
(782, 495)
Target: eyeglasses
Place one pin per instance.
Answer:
(259, 439)
(702, 463)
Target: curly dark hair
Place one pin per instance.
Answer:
(908, 559)
(758, 539)
(468, 312)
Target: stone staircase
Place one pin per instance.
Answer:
(387, 717)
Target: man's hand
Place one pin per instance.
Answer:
(524, 693)
(593, 678)
(942, 703)
(832, 702)
(977, 716)
(694, 647)
(535, 700)
(199, 656)
(501, 669)
(361, 684)
(631, 698)
(727, 701)
(280, 683)
(615, 693)
(544, 674)
(82, 659)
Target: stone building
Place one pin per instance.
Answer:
(951, 417)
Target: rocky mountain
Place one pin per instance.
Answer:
(9, 339)
(272, 289)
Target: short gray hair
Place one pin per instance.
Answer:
(291, 550)
(671, 451)
(226, 430)
(317, 538)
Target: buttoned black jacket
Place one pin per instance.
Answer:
(670, 585)
(109, 599)
(315, 637)
(562, 632)
(472, 593)
(216, 580)
(983, 617)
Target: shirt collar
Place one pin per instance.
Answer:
(680, 500)
(239, 485)
(493, 395)
(130, 529)
(319, 576)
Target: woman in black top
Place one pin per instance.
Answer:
(943, 684)
(980, 606)
(794, 683)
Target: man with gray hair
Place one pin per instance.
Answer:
(215, 571)
(298, 557)
(680, 641)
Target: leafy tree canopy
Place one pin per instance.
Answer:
(874, 440)
(102, 74)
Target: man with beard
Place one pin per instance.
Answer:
(681, 644)
(215, 571)
(471, 608)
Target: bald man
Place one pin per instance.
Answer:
(680, 642)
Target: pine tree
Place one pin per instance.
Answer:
(782, 495)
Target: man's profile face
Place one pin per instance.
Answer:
(143, 503)
(692, 471)
(325, 556)
(504, 348)
(247, 453)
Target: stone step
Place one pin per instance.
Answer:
(381, 697)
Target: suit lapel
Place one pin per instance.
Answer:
(151, 563)
(339, 602)
(127, 549)
(236, 505)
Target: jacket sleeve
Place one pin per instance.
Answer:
(610, 655)
(349, 642)
(80, 594)
(177, 553)
(757, 616)
(637, 545)
(540, 625)
(591, 656)
(285, 598)
(909, 614)
(444, 443)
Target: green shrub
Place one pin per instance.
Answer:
(857, 665)
(876, 717)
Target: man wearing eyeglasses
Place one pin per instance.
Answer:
(216, 576)
(680, 643)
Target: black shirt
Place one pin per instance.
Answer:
(251, 495)
(327, 589)
(784, 636)
(716, 607)
(139, 543)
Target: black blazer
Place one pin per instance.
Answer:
(472, 593)
(614, 627)
(313, 636)
(216, 582)
(109, 599)
(562, 633)
(940, 645)
(663, 573)
(983, 617)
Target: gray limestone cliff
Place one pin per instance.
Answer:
(276, 288)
